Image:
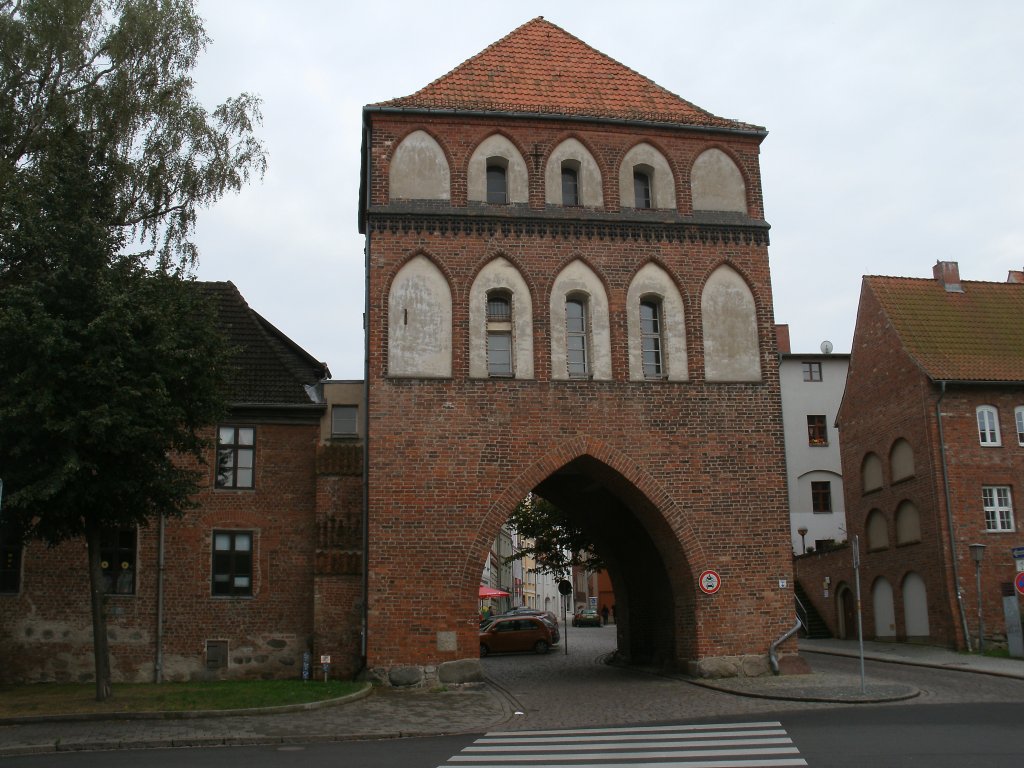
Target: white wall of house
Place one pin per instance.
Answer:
(806, 463)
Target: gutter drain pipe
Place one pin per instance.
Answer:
(773, 658)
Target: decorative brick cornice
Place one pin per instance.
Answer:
(636, 230)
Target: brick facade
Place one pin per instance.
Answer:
(890, 396)
(670, 477)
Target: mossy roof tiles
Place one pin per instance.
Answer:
(268, 368)
(976, 335)
(539, 68)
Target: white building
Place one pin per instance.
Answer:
(812, 389)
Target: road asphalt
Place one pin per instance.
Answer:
(390, 713)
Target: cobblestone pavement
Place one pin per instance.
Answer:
(556, 690)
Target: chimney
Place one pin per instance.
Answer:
(1015, 276)
(782, 338)
(948, 275)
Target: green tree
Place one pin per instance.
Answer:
(553, 538)
(111, 363)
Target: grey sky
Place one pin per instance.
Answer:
(894, 135)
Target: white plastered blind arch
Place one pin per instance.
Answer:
(717, 184)
(653, 282)
(591, 193)
(663, 187)
(501, 274)
(729, 314)
(577, 280)
(516, 175)
(420, 321)
(419, 170)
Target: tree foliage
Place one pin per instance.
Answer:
(552, 538)
(119, 73)
(111, 363)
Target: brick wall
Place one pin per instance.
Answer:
(695, 470)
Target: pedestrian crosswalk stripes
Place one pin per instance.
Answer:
(715, 745)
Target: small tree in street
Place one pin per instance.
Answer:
(552, 538)
(112, 366)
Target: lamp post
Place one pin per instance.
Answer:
(802, 530)
(978, 552)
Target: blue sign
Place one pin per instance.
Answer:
(1018, 553)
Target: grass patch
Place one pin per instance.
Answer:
(63, 699)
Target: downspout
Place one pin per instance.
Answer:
(366, 403)
(773, 657)
(949, 520)
(158, 664)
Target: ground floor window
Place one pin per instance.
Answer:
(232, 563)
(998, 508)
(10, 563)
(117, 559)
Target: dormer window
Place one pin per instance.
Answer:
(570, 183)
(497, 180)
(642, 187)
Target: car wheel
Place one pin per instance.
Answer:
(540, 646)
(483, 650)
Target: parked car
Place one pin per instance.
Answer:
(546, 616)
(588, 617)
(507, 634)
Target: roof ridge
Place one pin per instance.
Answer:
(541, 69)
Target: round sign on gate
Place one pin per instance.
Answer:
(710, 582)
(1019, 582)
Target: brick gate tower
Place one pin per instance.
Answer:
(568, 293)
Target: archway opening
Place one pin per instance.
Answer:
(651, 580)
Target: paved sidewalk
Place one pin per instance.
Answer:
(624, 696)
(918, 655)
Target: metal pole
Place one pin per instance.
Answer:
(860, 621)
(981, 619)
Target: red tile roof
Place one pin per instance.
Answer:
(540, 68)
(977, 335)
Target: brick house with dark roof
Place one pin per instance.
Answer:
(227, 590)
(932, 434)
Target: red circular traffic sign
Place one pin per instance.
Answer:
(1019, 582)
(710, 582)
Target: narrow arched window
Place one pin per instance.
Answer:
(642, 188)
(576, 351)
(499, 334)
(570, 184)
(650, 339)
(988, 425)
(497, 181)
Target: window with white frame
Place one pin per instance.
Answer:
(650, 338)
(642, 197)
(988, 425)
(499, 334)
(1019, 415)
(998, 508)
(576, 342)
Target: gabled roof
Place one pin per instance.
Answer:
(268, 368)
(974, 336)
(540, 68)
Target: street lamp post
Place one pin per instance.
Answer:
(978, 552)
(802, 530)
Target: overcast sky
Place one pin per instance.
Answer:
(894, 135)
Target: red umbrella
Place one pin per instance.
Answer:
(491, 592)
